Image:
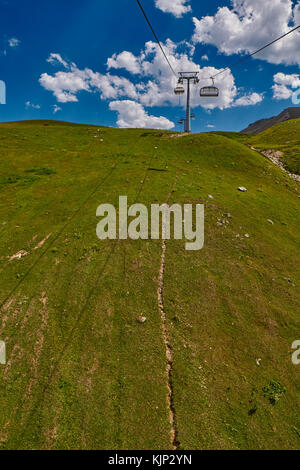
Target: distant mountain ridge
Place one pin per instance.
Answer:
(264, 124)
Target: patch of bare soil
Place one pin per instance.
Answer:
(169, 355)
(4, 315)
(91, 372)
(42, 242)
(177, 136)
(15, 354)
(7, 305)
(33, 239)
(19, 255)
(38, 348)
(52, 433)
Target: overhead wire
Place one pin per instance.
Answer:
(248, 56)
(156, 38)
(58, 234)
(253, 53)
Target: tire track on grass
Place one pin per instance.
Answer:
(119, 384)
(76, 324)
(6, 301)
(119, 381)
(68, 341)
(170, 395)
(70, 219)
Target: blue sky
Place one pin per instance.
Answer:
(54, 56)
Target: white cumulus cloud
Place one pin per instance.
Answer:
(64, 85)
(29, 105)
(177, 7)
(67, 84)
(56, 59)
(132, 114)
(125, 60)
(249, 100)
(247, 25)
(292, 80)
(157, 83)
(151, 83)
(285, 85)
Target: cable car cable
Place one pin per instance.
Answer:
(156, 38)
(254, 53)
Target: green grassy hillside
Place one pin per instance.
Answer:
(284, 137)
(82, 372)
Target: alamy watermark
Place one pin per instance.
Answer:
(296, 354)
(188, 222)
(296, 97)
(2, 92)
(2, 353)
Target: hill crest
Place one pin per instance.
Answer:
(264, 124)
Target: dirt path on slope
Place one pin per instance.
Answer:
(169, 354)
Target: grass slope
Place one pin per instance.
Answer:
(284, 137)
(82, 373)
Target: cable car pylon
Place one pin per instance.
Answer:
(188, 77)
(182, 120)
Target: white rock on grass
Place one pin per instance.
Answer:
(242, 189)
(141, 319)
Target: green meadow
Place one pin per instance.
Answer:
(82, 371)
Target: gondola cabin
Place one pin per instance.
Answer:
(179, 90)
(209, 92)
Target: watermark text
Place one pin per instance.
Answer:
(188, 222)
(2, 353)
(2, 92)
(296, 354)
